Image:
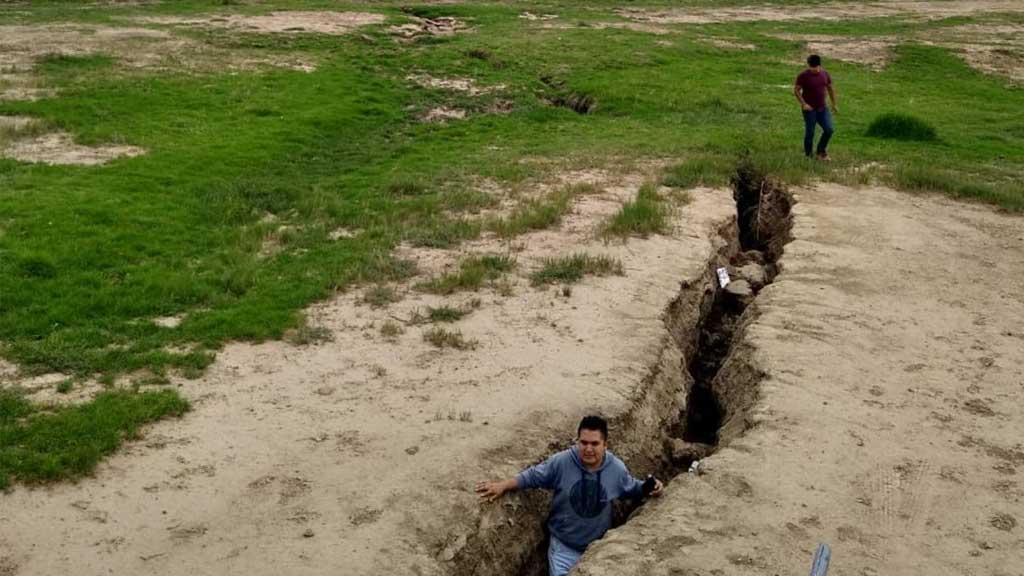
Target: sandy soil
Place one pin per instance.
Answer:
(875, 51)
(360, 454)
(59, 148)
(888, 424)
(289, 22)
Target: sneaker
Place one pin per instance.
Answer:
(824, 157)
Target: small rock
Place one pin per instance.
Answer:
(740, 291)
(411, 450)
(683, 451)
(985, 545)
(754, 274)
(755, 256)
(325, 390)
(308, 533)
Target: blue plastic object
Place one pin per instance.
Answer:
(822, 556)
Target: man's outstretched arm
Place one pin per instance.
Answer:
(491, 491)
(832, 97)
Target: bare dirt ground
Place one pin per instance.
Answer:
(888, 423)
(837, 11)
(360, 454)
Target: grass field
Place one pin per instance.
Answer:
(229, 222)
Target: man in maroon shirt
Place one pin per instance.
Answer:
(810, 88)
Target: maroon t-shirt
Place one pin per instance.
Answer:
(813, 87)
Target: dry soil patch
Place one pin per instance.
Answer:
(282, 22)
(60, 149)
(830, 12)
(872, 51)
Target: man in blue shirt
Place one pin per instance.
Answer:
(585, 479)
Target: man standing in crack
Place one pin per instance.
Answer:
(585, 479)
(810, 88)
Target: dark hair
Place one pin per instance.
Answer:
(814, 60)
(594, 423)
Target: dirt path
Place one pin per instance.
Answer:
(889, 424)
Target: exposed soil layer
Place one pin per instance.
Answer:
(283, 22)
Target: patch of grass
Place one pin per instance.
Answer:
(535, 214)
(441, 338)
(65, 386)
(472, 274)
(381, 296)
(407, 188)
(701, 170)
(647, 214)
(895, 126)
(391, 330)
(68, 442)
(306, 334)
(569, 269)
(446, 314)
(442, 233)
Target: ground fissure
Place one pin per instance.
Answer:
(710, 392)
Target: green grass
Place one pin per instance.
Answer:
(647, 214)
(446, 313)
(472, 274)
(569, 269)
(901, 127)
(537, 213)
(89, 256)
(37, 445)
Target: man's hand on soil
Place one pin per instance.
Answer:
(657, 488)
(490, 491)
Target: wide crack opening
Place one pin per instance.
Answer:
(763, 223)
(763, 227)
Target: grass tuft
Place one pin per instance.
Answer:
(569, 269)
(535, 214)
(701, 170)
(391, 330)
(895, 126)
(441, 338)
(473, 273)
(381, 296)
(647, 214)
(446, 313)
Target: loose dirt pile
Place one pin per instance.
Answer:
(887, 423)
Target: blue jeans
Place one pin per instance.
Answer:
(561, 558)
(811, 119)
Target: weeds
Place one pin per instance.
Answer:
(441, 338)
(391, 330)
(701, 170)
(65, 386)
(569, 269)
(446, 314)
(643, 216)
(473, 273)
(381, 296)
(536, 214)
(305, 334)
